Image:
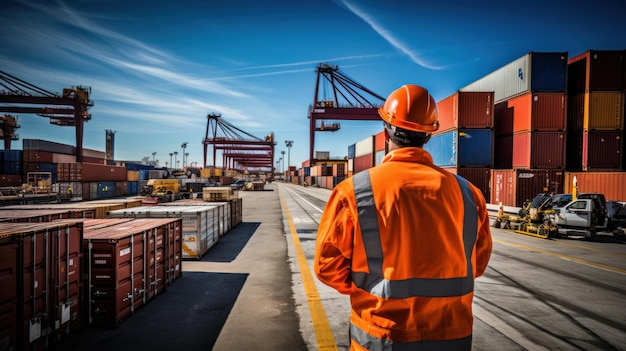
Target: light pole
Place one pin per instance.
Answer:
(175, 162)
(184, 146)
(289, 144)
(171, 164)
(186, 159)
(153, 156)
(283, 159)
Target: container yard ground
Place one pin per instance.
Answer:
(237, 297)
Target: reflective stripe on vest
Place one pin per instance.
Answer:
(374, 282)
(375, 344)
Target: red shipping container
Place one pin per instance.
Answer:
(47, 279)
(364, 162)
(10, 180)
(596, 70)
(9, 275)
(466, 110)
(503, 151)
(128, 266)
(611, 184)
(513, 187)
(539, 111)
(35, 156)
(602, 150)
(539, 150)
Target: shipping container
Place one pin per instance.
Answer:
(350, 165)
(480, 177)
(34, 214)
(363, 162)
(598, 110)
(539, 150)
(462, 148)
(130, 263)
(11, 180)
(351, 149)
(539, 111)
(364, 147)
(339, 169)
(50, 146)
(602, 150)
(45, 285)
(10, 166)
(513, 187)
(596, 70)
(379, 142)
(466, 110)
(202, 225)
(533, 72)
(611, 184)
(133, 189)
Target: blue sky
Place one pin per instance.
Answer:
(157, 68)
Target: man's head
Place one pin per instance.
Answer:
(409, 115)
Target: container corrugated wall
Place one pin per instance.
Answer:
(539, 111)
(596, 70)
(44, 290)
(602, 150)
(539, 150)
(466, 110)
(533, 72)
(462, 148)
(611, 184)
(513, 187)
(364, 146)
(604, 110)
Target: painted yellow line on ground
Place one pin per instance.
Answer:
(594, 264)
(323, 332)
(591, 249)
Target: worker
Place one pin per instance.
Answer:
(405, 240)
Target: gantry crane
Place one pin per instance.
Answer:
(69, 109)
(8, 125)
(344, 99)
(239, 149)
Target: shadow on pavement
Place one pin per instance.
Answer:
(189, 315)
(230, 245)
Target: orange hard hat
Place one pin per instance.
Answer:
(411, 107)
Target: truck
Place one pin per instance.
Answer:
(589, 214)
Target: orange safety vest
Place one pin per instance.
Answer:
(407, 258)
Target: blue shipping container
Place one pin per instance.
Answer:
(548, 71)
(132, 188)
(462, 148)
(106, 189)
(307, 171)
(138, 167)
(11, 155)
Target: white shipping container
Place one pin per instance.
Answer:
(200, 224)
(364, 147)
(350, 165)
(510, 80)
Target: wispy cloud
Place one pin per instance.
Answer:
(389, 36)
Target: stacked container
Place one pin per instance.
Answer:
(10, 168)
(596, 111)
(464, 142)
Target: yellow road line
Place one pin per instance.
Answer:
(323, 332)
(590, 249)
(599, 265)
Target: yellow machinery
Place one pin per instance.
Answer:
(535, 218)
(156, 187)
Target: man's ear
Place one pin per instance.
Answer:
(386, 135)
